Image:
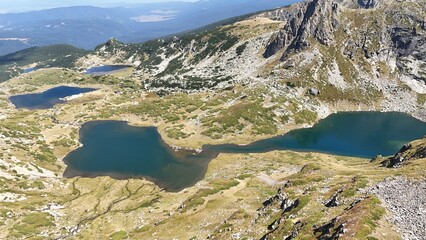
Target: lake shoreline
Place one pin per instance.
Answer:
(48, 98)
(334, 144)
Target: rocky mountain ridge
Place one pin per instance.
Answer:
(356, 54)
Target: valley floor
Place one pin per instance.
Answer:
(229, 203)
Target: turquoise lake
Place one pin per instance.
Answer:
(48, 98)
(113, 148)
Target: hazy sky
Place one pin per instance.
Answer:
(28, 5)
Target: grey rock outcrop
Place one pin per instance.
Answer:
(287, 205)
(410, 47)
(295, 232)
(274, 225)
(408, 152)
(297, 226)
(333, 201)
(368, 3)
(330, 230)
(317, 18)
(283, 204)
(280, 198)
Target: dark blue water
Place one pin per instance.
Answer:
(116, 149)
(107, 69)
(46, 99)
(357, 134)
(112, 148)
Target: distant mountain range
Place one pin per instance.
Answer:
(86, 27)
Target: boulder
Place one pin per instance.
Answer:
(314, 91)
(377, 158)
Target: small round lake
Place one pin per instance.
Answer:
(46, 99)
(106, 69)
(113, 148)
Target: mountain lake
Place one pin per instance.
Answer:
(116, 149)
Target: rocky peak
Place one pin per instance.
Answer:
(316, 19)
(112, 43)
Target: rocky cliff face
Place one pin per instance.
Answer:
(398, 32)
(316, 19)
